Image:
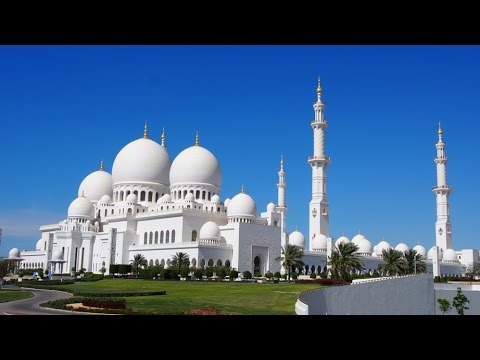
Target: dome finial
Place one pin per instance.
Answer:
(101, 165)
(196, 139)
(243, 189)
(440, 131)
(319, 88)
(281, 162)
(163, 137)
(145, 131)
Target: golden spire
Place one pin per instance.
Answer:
(163, 137)
(145, 131)
(440, 131)
(319, 88)
(196, 139)
(243, 189)
(101, 165)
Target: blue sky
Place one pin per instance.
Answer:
(64, 108)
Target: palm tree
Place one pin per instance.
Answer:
(138, 262)
(415, 265)
(180, 260)
(291, 256)
(394, 263)
(344, 260)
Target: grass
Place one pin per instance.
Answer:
(12, 295)
(234, 298)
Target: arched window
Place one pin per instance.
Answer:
(218, 209)
(219, 262)
(194, 235)
(157, 262)
(150, 196)
(227, 263)
(106, 212)
(145, 238)
(136, 193)
(173, 236)
(209, 196)
(204, 193)
(184, 193)
(121, 195)
(127, 193)
(157, 195)
(210, 263)
(156, 237)
(167, 237)
(168, 263)
(202, 263)
(275, 223)
(194, 263)
(150, 263)
(150, 240)
(188, 206)
(197, 194)
(112, 211)
(162, 262)
(142, 196)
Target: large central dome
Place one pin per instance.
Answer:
(196, 165)
(142, 160)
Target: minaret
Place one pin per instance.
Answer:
(319, 209)
(281, 207)
(443, 228)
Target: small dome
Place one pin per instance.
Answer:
(226, 202)
(215, 199)
(242, 205)
(431, 253)
(341, 240)
(57, 254)
(196, 165)
(319, 243)
(365, 246)
(450, 256)
(164, 199)
(420, 250)
(39, 245)
(189, 197)
(210, 230)
(131, 198)
(271, 207)
(14, 253)
(105, 200)
(297, 238)
(402, 247)
(95, 185)
(81, 207)
(382, 245)
(356, 239)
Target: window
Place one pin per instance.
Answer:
(167, 237)
(197, 194)
(194, 235)
(150, 262)
(204, 193)
(173, 236)
(150, 196)
(151, 237)
(156, 237)
(210, 263)
(219, 262)
(227, 263)
(161, 237)
(142, 196)
(121, 195)
(145, 236)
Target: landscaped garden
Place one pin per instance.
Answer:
(12, 295)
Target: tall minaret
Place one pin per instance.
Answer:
(281, 207)
(319, 210)
(443, 228)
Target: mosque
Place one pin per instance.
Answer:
(156, 207)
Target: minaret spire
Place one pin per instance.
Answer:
(196, 139)
(145, 131)
(319, 207)
(443, 228)
(101, 165)
(163, 137)
(282, 207)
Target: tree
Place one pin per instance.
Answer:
(473, 270)
(344, 260)
(444, 305)
(180, 260)
(291, 256)
(414, 263)
(3, 270)
(459, 302)
(138, 262)
(394, 263)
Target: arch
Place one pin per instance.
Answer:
(161, 237)
(150, 263)
(312, 269)
(209, 196)
(150, 239)
(145, 239)
(194, 235)
(127, 193)
(150, 196)
(194, 263)
(173, 236)
(156, 237)
(188, 206)
(112, 211)
(202, 263)
(142, 196)
(185, 193)
(121, 195)
(275, 223)
(197, 194)
(219, 262)
(257, 264)
(210, 263)
(167, 237)
(191, 191)
(227, 263)
(157, 262)
(162, 262)
(157, 195)
(168, 263)
(106, 212)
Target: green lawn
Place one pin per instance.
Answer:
(12, 295)
(236, 298)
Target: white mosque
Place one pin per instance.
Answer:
(156, 207)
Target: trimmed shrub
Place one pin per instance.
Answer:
(145, 274)
(294, 275)
(198, 273)
(277, 275)
(233, 274)
(174, 274)
(325, 282)
(247, 274)
(105, 303)
(124, 269)
(313, 276)
(90, 277)
(209, 272)
(221, 273)
(269, 275)
(113, 269)
(258, 274)
(184, 272)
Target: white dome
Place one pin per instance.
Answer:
(81, 207)
(450, 256)
(196, 165)
(14, 253)
(189, 197)
(420, 250)
(356, 239)
(382, 245)
(164, 199)
(105, 200)
(297, 238)
(210, 230)
(341, 240)
(402, 247)
(431, 253)
(242, 205)
(95, 185)
(39, 244)
(271, 207)
(364, 246)
(142, 160)
(215, 199)
(131, 198)
(226, 202)
(57, 254)
(319, 242)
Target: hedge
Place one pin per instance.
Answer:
(117, 304)
(323, 282)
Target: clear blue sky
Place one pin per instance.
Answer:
(64, 108)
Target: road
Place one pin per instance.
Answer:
(31, 306)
